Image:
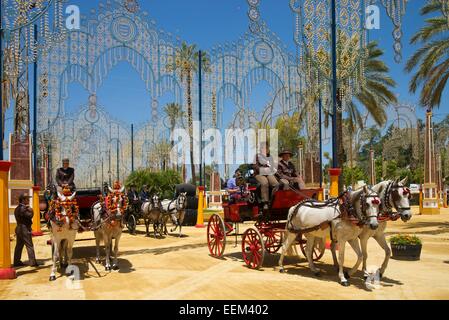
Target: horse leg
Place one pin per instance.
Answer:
(380, 238)
(97, 246)
(341, 260)
(356, 246)
(147, 226)
(364, 246)
(63, 254)
(55, 258)
(334, 253)
(309, 251)
(107, 248)
(289, 240)
(69, 250)
(117, 240)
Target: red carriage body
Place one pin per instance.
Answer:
(266, 235)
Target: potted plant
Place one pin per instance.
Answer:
(406, 247)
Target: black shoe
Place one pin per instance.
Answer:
(19, 264)
(36, 264)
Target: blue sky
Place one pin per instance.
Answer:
(210, 22)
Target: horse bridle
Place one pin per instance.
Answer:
(392, 186)
(363, 201)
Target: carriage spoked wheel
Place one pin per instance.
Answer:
(317, 254)
(253, 248)
(131, 223)
(216, 236)
(272, 241)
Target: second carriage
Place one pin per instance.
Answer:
(266, 235)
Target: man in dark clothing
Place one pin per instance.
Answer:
(287, 172)
(65, 176)
(24, 219)
(145, 194)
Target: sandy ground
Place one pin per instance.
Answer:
(181, 268)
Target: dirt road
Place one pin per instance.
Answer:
(181, 268)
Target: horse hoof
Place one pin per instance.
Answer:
(97, 261)
(115, 267)
(52, 278)
(282, 270)
(64, 265)
(345, 283)
(107, 268)
(381, 275)
(346, 274)
(317, 274)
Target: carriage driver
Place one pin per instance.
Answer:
(145, 194)
(287, 172)
(65, 176)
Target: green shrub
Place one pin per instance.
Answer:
(404, 239)
(163, 182)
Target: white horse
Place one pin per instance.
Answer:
(64, 226)
(108, 221)
(317, 219)
(176, 210)
(152, 213)
(393, 195)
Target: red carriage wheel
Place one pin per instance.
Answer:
(272, 240)
(216, 236)
(253, 248)
(317, 254)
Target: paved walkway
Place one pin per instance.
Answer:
(181, 268)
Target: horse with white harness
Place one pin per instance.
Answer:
(63, 220)
(342, 217)
(174, 209)
(152, 212)
(108, 223)
(393, 195)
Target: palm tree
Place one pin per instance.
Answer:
(432, 59)
(174, 113)
(185, 62)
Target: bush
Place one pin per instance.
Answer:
(163, 183)
(405, 239)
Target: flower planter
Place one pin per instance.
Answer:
(410, 252)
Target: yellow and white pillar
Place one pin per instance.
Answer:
(36, 227)
(334, 174)
(200, 215)
(6, 272)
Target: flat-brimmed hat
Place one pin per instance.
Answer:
(65, 160)
(24, 196)
(285, 152)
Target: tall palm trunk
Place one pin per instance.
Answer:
(190, 118)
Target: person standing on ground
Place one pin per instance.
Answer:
(24, 219)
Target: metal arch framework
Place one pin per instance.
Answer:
(112, 34)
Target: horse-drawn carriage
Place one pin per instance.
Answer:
(267, 234)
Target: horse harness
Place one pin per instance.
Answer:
(392, 193)
(346, 211)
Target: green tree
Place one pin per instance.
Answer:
(162, 182)
(186, 62)
(431, 59)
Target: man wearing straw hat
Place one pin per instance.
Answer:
(287, 172)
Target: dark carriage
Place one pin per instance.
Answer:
(85, 199)
(267, 233)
